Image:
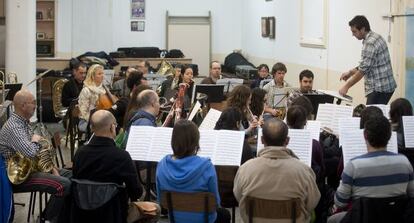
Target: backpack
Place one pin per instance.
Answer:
(122, 138)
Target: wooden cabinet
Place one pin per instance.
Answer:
(45, 28)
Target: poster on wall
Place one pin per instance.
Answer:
(137, 9)
(409, 77)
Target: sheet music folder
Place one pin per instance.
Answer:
(214, 92)
(14, 88)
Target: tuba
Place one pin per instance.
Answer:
(166, 69)
(20, 167)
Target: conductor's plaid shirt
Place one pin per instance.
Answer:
(376, 65)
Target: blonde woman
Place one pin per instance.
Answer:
(88, 97)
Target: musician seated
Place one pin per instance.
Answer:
(169, 87)
(100, 160)
(134, 79)
(89, 96)
(184, 171)
(17, 137)
(240, 98)
(263, 73)
(143, 66)
(120, 86)
(305, 85)
(275, 94)
(215, 73)
(398, 108)
(73, 87)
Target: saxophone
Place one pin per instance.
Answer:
(20, 167)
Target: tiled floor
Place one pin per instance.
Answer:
(23, 198)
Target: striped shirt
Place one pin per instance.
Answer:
(376, 65)
(16, 135)
(375, 174)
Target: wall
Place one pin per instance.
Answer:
(342, 51)
(105, 24)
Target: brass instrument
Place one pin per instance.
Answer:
(280, 113)
(58, 108)
(166, 69)
(20, 167)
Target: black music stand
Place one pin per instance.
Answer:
(318, 98)
(214, 92)
(13, 89)
(229, 83)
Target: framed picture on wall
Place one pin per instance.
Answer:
(265, 26)
(272, 27)
(141, 26)
(137, 9)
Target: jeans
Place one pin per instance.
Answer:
(379, 98)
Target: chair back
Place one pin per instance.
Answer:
(378, 210)
(272, 209)
(91, 195)
(58, 108)
(189, 202)
(225, 179)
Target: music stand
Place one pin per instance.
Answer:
(318, 98)
(13, 89)
(280, 96)
(214, 92)
(229, 83)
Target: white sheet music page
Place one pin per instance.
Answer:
(223, 147)
(341, 111)
(353, 144)
(196, 107)
(301, 144)
(315, 128)
(229, 148)
(208, 141)
(147, 143)
(260, 145)
(325, 114)
(408, 125)
(209, 122)
(384, 108)
(347, 124)
(392, 145)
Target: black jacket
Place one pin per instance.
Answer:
(102, 161)
(70, 91)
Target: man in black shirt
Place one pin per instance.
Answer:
(100, 160)
(73, 87)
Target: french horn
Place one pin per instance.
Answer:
(20, 167)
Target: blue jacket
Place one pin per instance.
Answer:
(6, 193)
(146, 119)
(189, 174)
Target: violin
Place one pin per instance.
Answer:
(106, 101)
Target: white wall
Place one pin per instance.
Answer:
(342, 51)
(91, 25)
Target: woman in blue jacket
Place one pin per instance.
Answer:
(184, 171)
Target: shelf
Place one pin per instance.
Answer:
(45, 20)
(45, 40)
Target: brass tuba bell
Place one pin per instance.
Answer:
(166, 69)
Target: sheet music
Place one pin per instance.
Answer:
(329, 115)
(301, 144)
(314, 127)
(229, 148)
(353, 144)
(384, 108)
(108, 77)
(408, 126)
(392, 145)
(229, 83)
(209, 122)
(147, 143)
(223, 147)
(260, 145)
(196, 107)
(347, 124)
